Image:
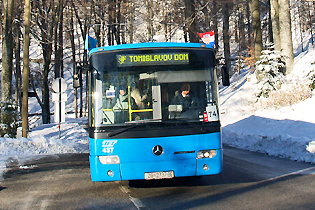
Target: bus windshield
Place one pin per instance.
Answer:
(136, 86)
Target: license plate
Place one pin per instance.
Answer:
(159, 175)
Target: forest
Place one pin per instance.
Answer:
(243, 30)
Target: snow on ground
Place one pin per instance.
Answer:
(44, 140)
(288, 132)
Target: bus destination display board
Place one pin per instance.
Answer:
(152, 59)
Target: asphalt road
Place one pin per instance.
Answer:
(249, 181)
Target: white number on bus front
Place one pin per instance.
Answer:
(108, 146)
(212, 113)
(108, 149)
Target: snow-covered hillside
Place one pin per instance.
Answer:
(287, 132)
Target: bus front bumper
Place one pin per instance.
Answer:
(155, 169)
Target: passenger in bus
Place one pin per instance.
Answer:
(122, 99)
(121, 107)
(139, 98)
(183, 98)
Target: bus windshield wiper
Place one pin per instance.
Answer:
(133, 124)
(188, 122)
(116, 132)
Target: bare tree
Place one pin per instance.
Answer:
(84, 28)
(98, 22)
(242, 27)
(58, 39)
(255, 11)
(149, 6)
(7, 51)
(274, 10)
(1, 18)
(286, 33)
(190, 20)
(131, 19)
(17, 51)
(45, 21)
(70, 30)
(111, 22)
(117, 12)
(215, 23)
(26, 67)
(248, 25)
(226, 35)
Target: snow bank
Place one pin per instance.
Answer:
(44, 140)
(287, 132)
(284, 146)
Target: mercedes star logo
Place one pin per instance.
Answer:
(158, 150)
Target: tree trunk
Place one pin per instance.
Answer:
(226, 36)
(47, 24)
(74, 64)
(97, 30)
(1, 20)
(59, 41)
(111, 18)
(26, 67)
(165, 17)
(190, 22)
(7, 52)
(270, 33)
(45, 100)
(83, 29)
(248, 25)
(149, 19)
(236, 25)
(122, 20)
(56, 49)
(242, 28)
(131, 21)
(85, 55)
(310, 23)
(118, 28)
(207, 19)
(18, 79)
(258, 46)
(215, 24)
(274, 11)
(286, 33)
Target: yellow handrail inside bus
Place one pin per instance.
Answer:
(129, 103)
(130, 111)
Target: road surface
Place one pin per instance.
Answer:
(249, 181)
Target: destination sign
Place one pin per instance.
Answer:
(152, 59)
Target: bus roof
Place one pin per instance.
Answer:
(150, 45)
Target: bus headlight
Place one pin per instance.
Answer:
(114, 159)
(206, 153)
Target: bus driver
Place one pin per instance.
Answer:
(183, 98)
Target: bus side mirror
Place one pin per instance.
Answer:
(77, 76)
(76, 81)
(225, 76)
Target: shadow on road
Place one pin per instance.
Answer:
(229, 176)
(48, 162)
(218, 195)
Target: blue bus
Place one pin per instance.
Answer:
(153, 112)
